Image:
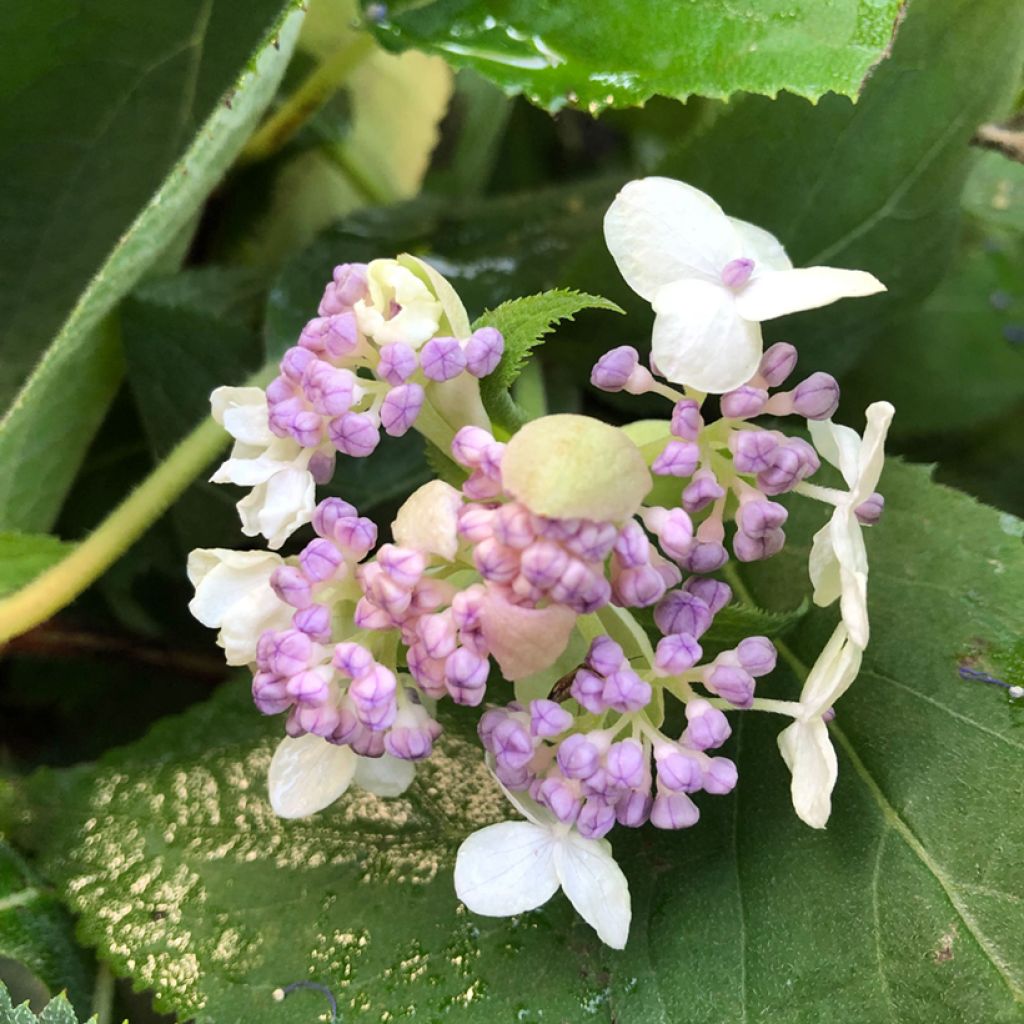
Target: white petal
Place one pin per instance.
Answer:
(261, 609)
(807, 750)
(699, 339)
(832, 673)
(596, 887)
(307, 774)
(838, 445)
(761, 246)
(428, 521)
(506, 869)
(848, 544)
(778, 292)
(823, 567)
(287, 504)
(223, 578)
(385, 775)
(872, 451)
(659, 230)
(451, 304)
(247, 472)
(243, 413)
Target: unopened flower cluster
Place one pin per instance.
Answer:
(517, 587)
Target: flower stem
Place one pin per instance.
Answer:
(62, 583)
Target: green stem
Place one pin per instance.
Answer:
(103, 995)
(282, 126)
(62, 583)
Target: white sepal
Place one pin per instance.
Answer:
(384, 776)
(308, 774)
(595, 886)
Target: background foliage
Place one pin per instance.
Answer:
(158, 243)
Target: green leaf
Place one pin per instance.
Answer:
(58, 1011)
(873, 185)
(23, 556)
(80, 370)
(524, 324)
(36, 931)
(994, 192)
(624, 52)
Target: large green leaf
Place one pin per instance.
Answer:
(81, 179)
(621, 52)
(23, 556)
(874, 185)
(907, 908)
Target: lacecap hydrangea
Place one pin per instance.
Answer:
(519, 584)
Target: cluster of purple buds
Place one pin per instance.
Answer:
(342, 694)
(337, 389)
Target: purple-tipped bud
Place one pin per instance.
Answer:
(706, 727)
(870, 511)
(295, 362)
(674, 529)
(788, 464)
(352, 660)
(411, 742)
(330, 391)
(320, 560)
(736, 273)
(476, 523)
(287, 653)
(470, 445)
(758, 518)
(310, 687)
(634, 810)
(270, 693)
(374, 688)
(442, 359)
(328, 512)
(341, 336)
(543, 563)
(816, 398)
(702, 491)
(612, 371)
(307, 428)
(625, 691)
(731, 682)
(465, 674)
(403, 565)
(354, 434)
(605, 656)
(679, 458)
(511, 744)
(397, 363)
(744, 402)
(559, 797)
(714, 593)
(682, 612)
(484, 350)
(686, 420)
(757, 655)
(400, 408)
(578, 758)
(588, 690)
(777, 363)
(280, 389)
(677, 653)
(347, 288)
(513, 525)
(674, 811)
(437, 634)
(677, 770)
(638, 588)
(752, 450)
(632, 546)
(719, 776)
(291, 585)
(314, 621)
(626, 764)
(368, 743)
(548, 718)
(596, 818)
(356, 535)
(592, 541)
(321, 467)
(495, 562)
(755, 549)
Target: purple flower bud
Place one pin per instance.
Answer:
(328, 512)
(341, 337)
(548, 718)
(744, 402)
(397, 363)
(281, 415)
(682, 612)
(511, 744)
(677, 653)
(754, 549)
(410, 743)
(707, 727)
(686, 420)
(513, 525)
(469, 446)
(638, 588)
(788, 464)
(352, 660)
(632, 546)
(633, 810)
(291, 586)
(626, 764)
(736, 273)
(714, 593)
(605, 656)
(596, 818)
(289, 652)
(319, 719)
(280, 389)
(270, 693)
(732, 683)
(705, 557)
(543, 564)
(489, 721)
(702, 491)
(403, 565)
(295, 361)
(757, 518)
(368, 742)
(495, 562)
(816, 398)
(679, 458)
(356, 535)
(752, 449)
(321, 467)
(307, 428)
(777, 363)
(719, 776)
(625, 691)
(314, 621)
(674, 811)
(400, 408)
(374, 688)
(677, 770)
(442, 359)
(354, 434)
(578, 758)
(674, 529)
(466, 676)
(329, 390)
(347, 725)
(559, 797)
(310, 687)
(870, 511)
(345, 290)
(484, 350)
(588, 690)
(320, 560)
(613, 369)
(438, 634)
(757, 655)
